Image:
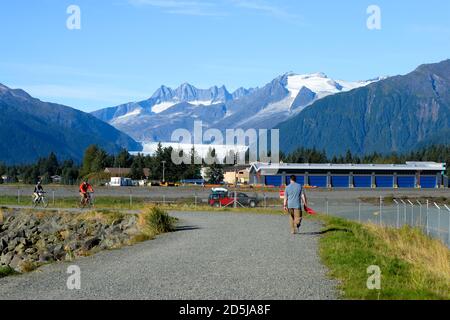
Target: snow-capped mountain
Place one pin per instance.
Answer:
(168, 109)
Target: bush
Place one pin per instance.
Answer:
(6, 271)
(155, 221)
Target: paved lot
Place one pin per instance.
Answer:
(211, 256)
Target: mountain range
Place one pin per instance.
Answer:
(155, 119)
(30, 128)
(397, 114)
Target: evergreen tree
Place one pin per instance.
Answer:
(123, 159)
(100, 161)
(88, 159)
(137, 168)
(214, 171)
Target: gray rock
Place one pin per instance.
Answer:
(45, 256)
(30, 251)
(15, 262)
(73, 245)
(12, 244)
(20, 248)
(58, 252)
(90, 243)
(6, 258)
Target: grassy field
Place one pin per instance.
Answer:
(412, 265)
(72, 202)
(137, 203)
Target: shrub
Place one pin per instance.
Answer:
(154, 221)
(6, 271)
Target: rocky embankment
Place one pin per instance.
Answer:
(29, 239)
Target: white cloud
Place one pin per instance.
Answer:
(216, 8)
(180, 7)
(265, 8)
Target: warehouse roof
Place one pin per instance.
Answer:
(408, 166)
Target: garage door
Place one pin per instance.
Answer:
(300, 180)
(384, 181)
(318, 181)
(274, 180)
(428, 182)
(406, 181)
(340, 181)
(362, 181)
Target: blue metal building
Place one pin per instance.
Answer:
(426, 175)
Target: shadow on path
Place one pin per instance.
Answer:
(186, 228)
(318, 233)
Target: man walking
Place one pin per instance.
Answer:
(293, 199)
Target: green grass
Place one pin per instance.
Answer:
(154, 221)
(413, 266)
(106, 202)
(123, 203)
(6, 271)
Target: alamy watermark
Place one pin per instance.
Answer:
(256, 141)
(73, 22)
(374, 19)
(374, 280)
(74, 279)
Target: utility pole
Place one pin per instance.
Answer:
(164, 168)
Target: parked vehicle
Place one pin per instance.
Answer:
(223, 198)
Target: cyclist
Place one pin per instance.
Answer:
(38, 191)
(85, 188)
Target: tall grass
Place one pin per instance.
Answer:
(154, 221)
(412, 265)
(6, 271)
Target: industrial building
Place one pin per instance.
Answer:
(427, 175)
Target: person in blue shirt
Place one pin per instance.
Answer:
(294, 198)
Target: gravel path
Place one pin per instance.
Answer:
(211, 256)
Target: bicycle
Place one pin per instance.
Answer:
(40, 200)
(86, 202)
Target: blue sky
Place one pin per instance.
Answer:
(126, 49)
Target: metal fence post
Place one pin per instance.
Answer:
(439, 219)
(428, 229)
(448, 209)
(404, 211)
(18, 196)
(381, 210)
(412, 213)
(398, 213)
(164, 200)
(420, 213)
(359, 211)
(53, 197)
(327, 208)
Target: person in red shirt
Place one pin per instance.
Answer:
(85, 188)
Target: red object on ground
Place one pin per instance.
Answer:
(309, 210)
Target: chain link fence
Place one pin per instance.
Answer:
(431, 217)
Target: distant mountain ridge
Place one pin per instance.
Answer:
(30, 128)
(397, 114)
(167, 109)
